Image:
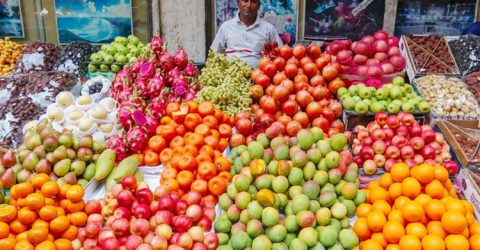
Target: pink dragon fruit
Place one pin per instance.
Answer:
(157, 44)
(158, 106)
(147, 70)
(141, 87)
(179, 86)
(155, 85)
(173, 98)
(117, 144)
(180, 58)
(124, 95)
(166, 61)
(190, 70)
(139, 117)
(173, 74)
(151, 125)
(137, 139)
(190, 95)
(125, 115)
(135, 67)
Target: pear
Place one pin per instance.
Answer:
(43, 166)
(33, 141)
(59, 154)
(30, 161)
(62, 167)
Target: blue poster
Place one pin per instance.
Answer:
(280, 13)
(93, 21)
(11, 19)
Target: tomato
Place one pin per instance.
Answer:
(256, 91)
(314, 51)
(317, 80)
(268, 105)
(314, 110)
(329, 72)
(291, 70)
(280, 63)
(281, 93)
(320, 93)
(299, 51)
(288, 84)
(310, 69)
(255, 74)
(263, 62)
(303, 98)
(292, 128)
(321, 122)
(286, 52)
(302, 118)
(244, 126)
(262, 80)
(294, 61)
(269, 69)
(335, 85)
(328, 114)
(278, 78)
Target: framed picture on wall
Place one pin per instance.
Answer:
(343, 19)
(93, 21)
(283, 14)
(446, 18)
(11, 22)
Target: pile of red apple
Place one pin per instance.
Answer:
(392, 139)
(372, 56)
(137, 218)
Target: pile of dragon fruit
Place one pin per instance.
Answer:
(143, 90)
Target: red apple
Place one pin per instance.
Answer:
(379, 147)
(392, 152)
(402, 130)
(415, 130)
(367, 141)
(378, 134)
(381, 118)
(379, 160)
(389, 164)
(369, 167)
(346, 156)
(428, 152)
(418, 158)
(388, 133)
(451, 166)
(366, 152)
(417, 143)
(408, 119)
(371, 126)
(362, 134)
(410, 163)
(393, 122)
(407, 152)
(428, 136)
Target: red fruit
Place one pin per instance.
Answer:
(205, 223)
(328, 114)
(181, 207)
(142, 211)
(299, 51)
(270, 70)
(244, 126)
(329, 72)
(182, 223)
(428, 136)
(263, 80)
(303, 98)
(293, 127)
(93, 207)
(144, 196)
(280, 63)
(451, 166)
(314, 51)
(286, 52)
(321, 122)
(302, 118)
(291, 70)
(280, 93)
(125, 198)
(289, 107)
(310, 69)
(129, 182)
(314, 110)
(268, 104)
(393, 122)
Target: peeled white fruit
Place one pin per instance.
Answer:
(84, 100)
(108, 103)
(64, 99)
(99, 112)
(55, 114)
(107, 127)
(85, 124)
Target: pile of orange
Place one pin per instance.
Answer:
(42, 215)
(414, 209)
(189, 143)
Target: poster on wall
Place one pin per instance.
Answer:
(11, 23)
(446, 18)
(339, 19)
(93, 21)
(281, 13)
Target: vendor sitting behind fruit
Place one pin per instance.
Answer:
(244, 35)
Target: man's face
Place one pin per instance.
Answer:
(248, 8)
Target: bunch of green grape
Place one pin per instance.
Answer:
(225, 83)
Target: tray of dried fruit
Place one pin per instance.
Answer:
(464, 137)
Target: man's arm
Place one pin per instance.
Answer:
(218, 43)
(275, 37)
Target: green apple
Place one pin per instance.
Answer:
(108, 59)
(96, 58)
(121, 40)
(361, 85)
(364, 93)
(361, 107)
(92, 68)
(104, 67)
(373, 99)
(121, 59)
(121, 49)
(132, 59)
(132, 39)
(102, 54)
(367, 101)
(145, 50)
(376, 107)
(353, 90)
(396, 92)
(398, 80)
(408, 107)
(341, 91)
(349, 103)
(382, 93)
(111, 50)
(407, 88)
(393, 108)
(134, 51)
(344, 96)
(131, 46)
(115, 68)
(104, 47)
(424, 107)
(398, 102)
(140, 45)
(357, 98)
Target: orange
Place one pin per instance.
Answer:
(468, 206)
(70, 233)
(360, 227)
(21, 190)
(424, 173)
(433, 242)
(412, 211)
(396, 215)
(63, 244)
(410, 242)
(40, 223)
(59, 224)
(475, 241)
(35, 201)
(434, 189)
(7, 243)
(395, 191)
(382, 206)
(454, 222)
(435, 227)
(48, 212)
(422, 199)
(16, 227)
(377, 193)
(470, 219)
(39, 179)
(456, 242)
(392, 247)
(363, 210)
(440, 173)
(393, 231)
(23, 245)
(386, 180)
(475, 228)
(26, 216)
(22, 236)
(4, 230)
(373, 184)
(411, 187)
(376, 220)
(435, 209)
(37, 235)
(73, 207)
(46, 245)
(370, 245)
(416, 229)
(50, 189)
(75, 193)
(399, 172)
(378, 237)
(400, 201)
(78, 218)
(456, 205)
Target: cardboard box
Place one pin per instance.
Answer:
(468, 185)
(447, 129)
(411, 69)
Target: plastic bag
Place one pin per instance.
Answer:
(96, 87)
